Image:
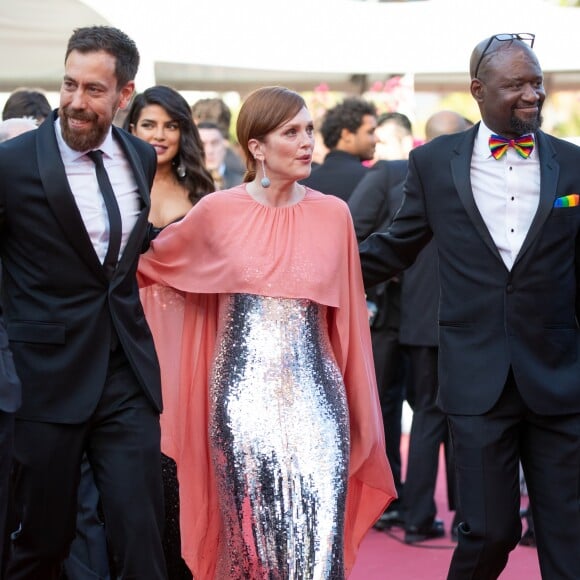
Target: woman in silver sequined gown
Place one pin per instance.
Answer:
(277, 428)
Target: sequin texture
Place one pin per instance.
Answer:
(279, 436)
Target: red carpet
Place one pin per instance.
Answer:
(384, 556)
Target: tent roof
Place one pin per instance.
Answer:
(33, 38)
(240, 44)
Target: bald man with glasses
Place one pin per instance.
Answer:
(502, 202)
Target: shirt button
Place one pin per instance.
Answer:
(509, 288)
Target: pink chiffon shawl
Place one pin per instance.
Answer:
(229, 243)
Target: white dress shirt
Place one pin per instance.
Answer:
(82, 178)
(506, 192)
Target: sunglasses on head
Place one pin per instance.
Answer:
(524, 36)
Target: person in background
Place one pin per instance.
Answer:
(158, 116)
(374, 202)
(74, 201)
(418, 335)
(10, 399)
(15, 126)
(348, 130)
(27, 103)
(279, 444)
(10, 389)
(216, 147)
(320, 149)
(373, 205)
(501, 202)
(394, 134)
(215, 110)
(162, 117)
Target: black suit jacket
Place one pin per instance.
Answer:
(491, 318)
(60, 308)
(373, 205)
(377, 197)
(338, 175)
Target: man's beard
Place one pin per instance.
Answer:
(524, 127)
(85, 140)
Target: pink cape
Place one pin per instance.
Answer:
(229, 243)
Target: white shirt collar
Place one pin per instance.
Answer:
(481, 146)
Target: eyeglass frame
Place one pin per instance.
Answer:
(523, 36)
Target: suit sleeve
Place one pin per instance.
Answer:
(369, 200)
(385, 254)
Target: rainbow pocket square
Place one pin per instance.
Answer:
(571, 200)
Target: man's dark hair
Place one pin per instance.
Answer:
(399, 118)
(346, 115)
(215, 111)
(26, 103)
(110, 40)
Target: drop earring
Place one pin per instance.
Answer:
(265, 181)
(181, 171)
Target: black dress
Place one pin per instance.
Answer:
(176, 567)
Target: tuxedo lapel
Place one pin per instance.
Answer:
(136, 165)
(549, 172)
(60, 197)
(461, 173)
(135, 241)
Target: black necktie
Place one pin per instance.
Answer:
(115, 224)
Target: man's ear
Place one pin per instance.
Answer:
(477, 90)
(126, 94)
(346, 137)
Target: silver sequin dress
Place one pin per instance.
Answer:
(279, 438)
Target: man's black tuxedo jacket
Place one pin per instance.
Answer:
(59, 307)
(491, 318)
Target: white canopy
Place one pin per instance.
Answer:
(239, 44)
(33, 37)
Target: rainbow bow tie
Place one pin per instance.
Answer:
(523, 145)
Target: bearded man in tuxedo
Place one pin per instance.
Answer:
(74, 202)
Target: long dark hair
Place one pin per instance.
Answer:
(191, 157)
